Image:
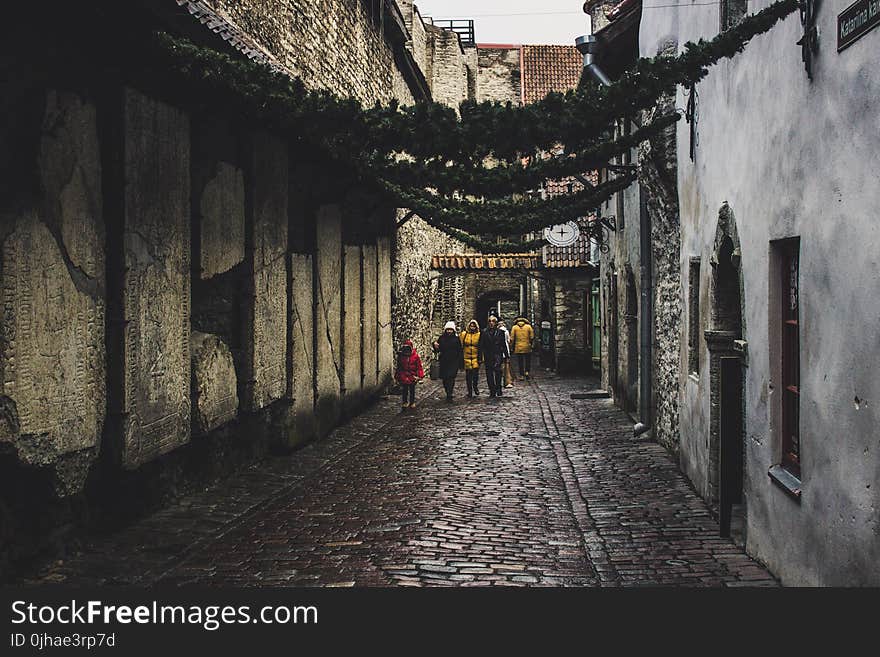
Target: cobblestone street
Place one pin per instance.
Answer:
(533, 489)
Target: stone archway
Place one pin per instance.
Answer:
(726, 344)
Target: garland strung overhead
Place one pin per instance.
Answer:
(445, 151)
(505, 178)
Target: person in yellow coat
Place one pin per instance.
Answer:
(521, 337)
(473, 356)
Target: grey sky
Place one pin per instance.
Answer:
(539, 22)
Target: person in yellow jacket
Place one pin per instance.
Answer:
(521, 337)
(473, 356)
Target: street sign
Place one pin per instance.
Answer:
(855, 21)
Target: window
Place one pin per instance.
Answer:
(789, 331)
(694, 316)
(732, 12)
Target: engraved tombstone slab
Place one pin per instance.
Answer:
(156, 295)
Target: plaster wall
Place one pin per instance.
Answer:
(793, 157)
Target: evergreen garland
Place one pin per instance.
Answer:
(447, 151)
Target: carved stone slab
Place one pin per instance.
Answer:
(268, 338)
(221, 209)
(371, 332)
(352, 323)
(302, 334)
(215, 387)
(383, 304)
(328, 318)
(52, 353)
(156, 296)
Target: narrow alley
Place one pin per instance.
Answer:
(534, 489)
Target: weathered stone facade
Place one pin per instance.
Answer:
(183, 270)
(415, 288)
(499, 74)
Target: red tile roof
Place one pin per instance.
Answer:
(549, 68)
(479, 261)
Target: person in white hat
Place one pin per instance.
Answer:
(448, 346)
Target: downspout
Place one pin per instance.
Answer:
(646, 337)
(589, 45)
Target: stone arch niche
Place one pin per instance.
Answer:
(612, 325)
(726, 344)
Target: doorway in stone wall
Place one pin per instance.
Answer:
(501, 303)
(726, 360)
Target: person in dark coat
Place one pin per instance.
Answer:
(493, 343)
(448, 346)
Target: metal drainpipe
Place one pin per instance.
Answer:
(646, 351)
(589, 45)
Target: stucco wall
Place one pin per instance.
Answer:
(793, 158)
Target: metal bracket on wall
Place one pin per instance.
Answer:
(690, 115)
(809, 42)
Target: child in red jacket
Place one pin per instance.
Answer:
(409, 370)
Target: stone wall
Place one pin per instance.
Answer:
(330, 44)
(657, 166)
(499, 74)
(385, 359)
(449, 73)
(570, 317)
(328, 317)
(415, 286)
(265, 328)
(352, 314)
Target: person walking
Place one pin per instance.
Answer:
(494, 347)
(508, 379)
(522, 337)
(448, 346)
(473, 356)
(408, 372)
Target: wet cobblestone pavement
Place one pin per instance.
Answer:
(534, 489)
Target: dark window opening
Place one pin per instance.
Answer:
(694, 316)
(790, 353)
(732, 12)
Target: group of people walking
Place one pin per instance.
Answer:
(491, 346)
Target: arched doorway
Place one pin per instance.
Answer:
(726, 361)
